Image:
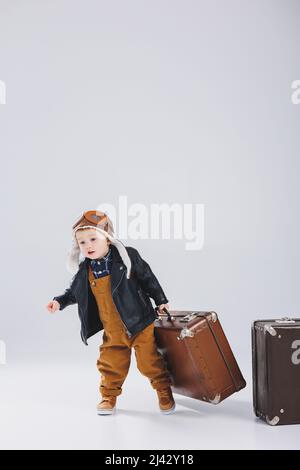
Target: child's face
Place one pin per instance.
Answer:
(92, 243)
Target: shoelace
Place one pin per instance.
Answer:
(105, 399)
(165, 393)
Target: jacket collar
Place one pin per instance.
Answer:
(103, 258)
(115, 255)
(117, 267)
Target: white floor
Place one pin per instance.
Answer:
(46, 405)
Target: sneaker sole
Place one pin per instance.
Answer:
(170, 411)
(106, 412)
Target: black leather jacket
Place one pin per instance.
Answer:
(131, 296)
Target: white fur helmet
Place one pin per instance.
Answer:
(101, 222)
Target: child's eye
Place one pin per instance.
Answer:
(93, 239)
(81, 243)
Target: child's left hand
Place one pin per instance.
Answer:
(162, 306)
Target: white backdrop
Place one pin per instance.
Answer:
(161, 102)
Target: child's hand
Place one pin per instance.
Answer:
(162, 306)
(53, 306)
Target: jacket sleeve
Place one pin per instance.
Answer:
(67, 298)
(146, 278)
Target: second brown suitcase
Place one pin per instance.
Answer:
(198, 355)
(276, 370)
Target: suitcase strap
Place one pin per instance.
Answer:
(223, 355)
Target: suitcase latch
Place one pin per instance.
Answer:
(185, 332)
(270, 329)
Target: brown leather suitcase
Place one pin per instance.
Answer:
(198, 355)
(276, 370)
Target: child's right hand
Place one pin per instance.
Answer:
(53, 306)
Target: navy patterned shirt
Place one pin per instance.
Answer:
(102, 266)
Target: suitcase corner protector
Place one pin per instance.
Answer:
(273, 421)
(214, 316)
(216, 399)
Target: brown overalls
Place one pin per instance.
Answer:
(115, 350)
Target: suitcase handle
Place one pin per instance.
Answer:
(167, 312)
(285, 320)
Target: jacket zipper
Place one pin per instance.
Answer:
(126, 328)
